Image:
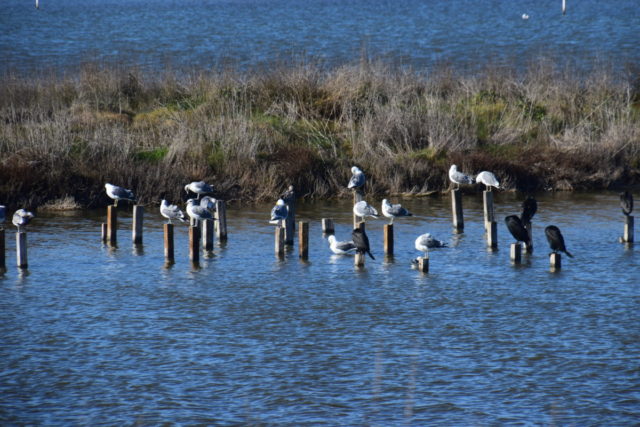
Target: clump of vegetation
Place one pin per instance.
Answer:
(253, 134)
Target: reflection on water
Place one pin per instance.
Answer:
(93, 333)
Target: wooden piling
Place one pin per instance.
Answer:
(303, 239)
(492, 234)
(357, 197)
(112, 224)
(388, 239)
(327, 226)
(555, 261)
(103, 233)
(3, 264)
(138, 214)
(423, 264)
(279, 241)
(168, 243)
(456, 210)
(358, 260)
(221, 221)
(529, 227)
(487, 198)
(516, 253)
(290, 223)
(21, 249)
(564, 7)
(207, 234)
(194, 244)
(627, 236)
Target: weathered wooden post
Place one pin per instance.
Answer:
(487, 199)
(207, 234)
(516, 253)
(168, 243)
(564, 7)
(456, 210)
(221, 221)
(492, 234)
(358, 260)
(360, 225)
(327, 226)
(21, 249)
(279, 240)
(290, 222)
(138, 213)
(112, 224)
(555, 261)
(357, 197)
(3, 264)
(627, 236)
(104, 232)
(388, 239)
(423, 264)
(194, 244)
(303, 239)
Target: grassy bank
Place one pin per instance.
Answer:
(252, 134)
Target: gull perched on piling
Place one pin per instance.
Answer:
(119, 193)
(279, 212)
(626, 203)
(488, 179)
(197, 212)
(21, 218)
(199, 188)
(393, 211)
(171, 211)
(555, 239)
(3, 216)
(426, 241)
(209, 203)
(340, 248)
(363, 209)
(357, 178)
(458, 177)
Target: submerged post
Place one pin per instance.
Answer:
(207, 234)
(456, 210)
(221, 221)
(112, 224)
(555, 261)
(423, 264)
(194, 244)
(168, 243)
(279, 241)
(492, 234)
(303, 239)
(357, 197)
(564, 7)
(327, 226)
(138, 213)
(3, 264)
(358, 260)
(21, 249)
(627, 236)
(516, 253)
(487, 198)
(388, 239)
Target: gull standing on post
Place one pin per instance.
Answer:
(199, 188)
(171, 211)
(488, 179)
(458, 177)
(21, 218)
(209, 203)
(357, 178)
(363, 209)
(426, 241)
(197, 212)
(393, 211)
(340, 248)
(119, 193)
(279, 212)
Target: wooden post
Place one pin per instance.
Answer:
(487, 198)
(303, 239)
(423, 264)
(516, 253)
(194, 244)
(168, 243)
(327, 226)
(221, 220)
(112, 224)
(564, 7)
(492, 234)
(104, 232)
(207, 234)
(357, 197)
(529, 227)
(138, 213)
(279, 239)
(21, 249)
(627, 237)
(388, 239)
(290, 223)
(3, 264)
(456, 210)
(358, 260)
(555, 261)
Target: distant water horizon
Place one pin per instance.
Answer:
(155, 35)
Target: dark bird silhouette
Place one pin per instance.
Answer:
(626, 203)
(517, 230)
(555, 239)
(361, 241)
(529, 209)
(289, 195)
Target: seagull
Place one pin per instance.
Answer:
(21, 218)
(393, 211)
(119, 193)
(197, 212)
(363, 209)
(209, 203)
(198, 187)
(525, 16)
(555, 239)
(458, 177)
(357, 178)
(3, 216)
(626, 203)
(171, 211)
(279, 212)
(529, 208)
(517, 230)
(426, 241)
(361, 241)
(488, 179)
(340, 248)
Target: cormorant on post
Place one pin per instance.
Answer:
(555, 239)
(626, 203)
(517, 230)
(361, 241)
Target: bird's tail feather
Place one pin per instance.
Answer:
(372, 257)
(568, 253)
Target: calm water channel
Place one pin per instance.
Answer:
(96, 335)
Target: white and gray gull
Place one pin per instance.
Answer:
(393, 211)
(279, 212)
(340, 248)
(357, 178)
(488, 179)
(199, 188)
(426, 241)
(364, 209)
(209, 203)
(171, 211)
(196, 212)
(458, 177)
(119, 193)
(21, 218)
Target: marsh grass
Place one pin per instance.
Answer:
(254, 133)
